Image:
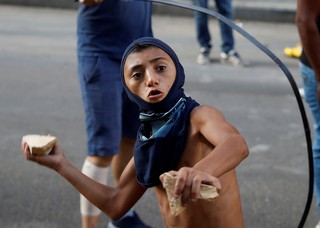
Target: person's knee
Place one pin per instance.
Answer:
(100, 161)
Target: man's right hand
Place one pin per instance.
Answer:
(54, 160)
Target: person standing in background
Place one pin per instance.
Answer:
(228, 53)
(308, 23)
(104, 30)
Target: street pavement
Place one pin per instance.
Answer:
(253, 10)
(39, 93)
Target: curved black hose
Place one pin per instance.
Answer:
(285, 71)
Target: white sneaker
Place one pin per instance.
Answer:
(204, 56)
(232, 57)
(318, 225)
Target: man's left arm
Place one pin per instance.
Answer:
(230, 147)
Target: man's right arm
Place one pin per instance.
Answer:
(114, 202)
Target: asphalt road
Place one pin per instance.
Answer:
(39, 93)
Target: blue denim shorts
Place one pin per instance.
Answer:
(109, 112)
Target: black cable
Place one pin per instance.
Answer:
(285, 71)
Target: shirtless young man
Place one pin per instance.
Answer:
(192, 141)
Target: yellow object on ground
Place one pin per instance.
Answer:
(293, 52)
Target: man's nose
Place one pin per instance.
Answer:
(152, 78)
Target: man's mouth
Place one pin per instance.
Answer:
(154, 93)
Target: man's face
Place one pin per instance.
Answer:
(149, 74)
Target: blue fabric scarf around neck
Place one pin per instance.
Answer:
(160, 151)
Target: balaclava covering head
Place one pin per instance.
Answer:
(159, 150)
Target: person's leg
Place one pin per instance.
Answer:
(224, 7)
(102, 97)
(120, 161)
(228, 53)
(130, 124)
(201, 23)
(97, 168)
(311, 97)
(202, 32)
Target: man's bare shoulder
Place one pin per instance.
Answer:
(210, 122)
(205, 113)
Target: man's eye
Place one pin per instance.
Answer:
(137, 75)
(161, 68)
